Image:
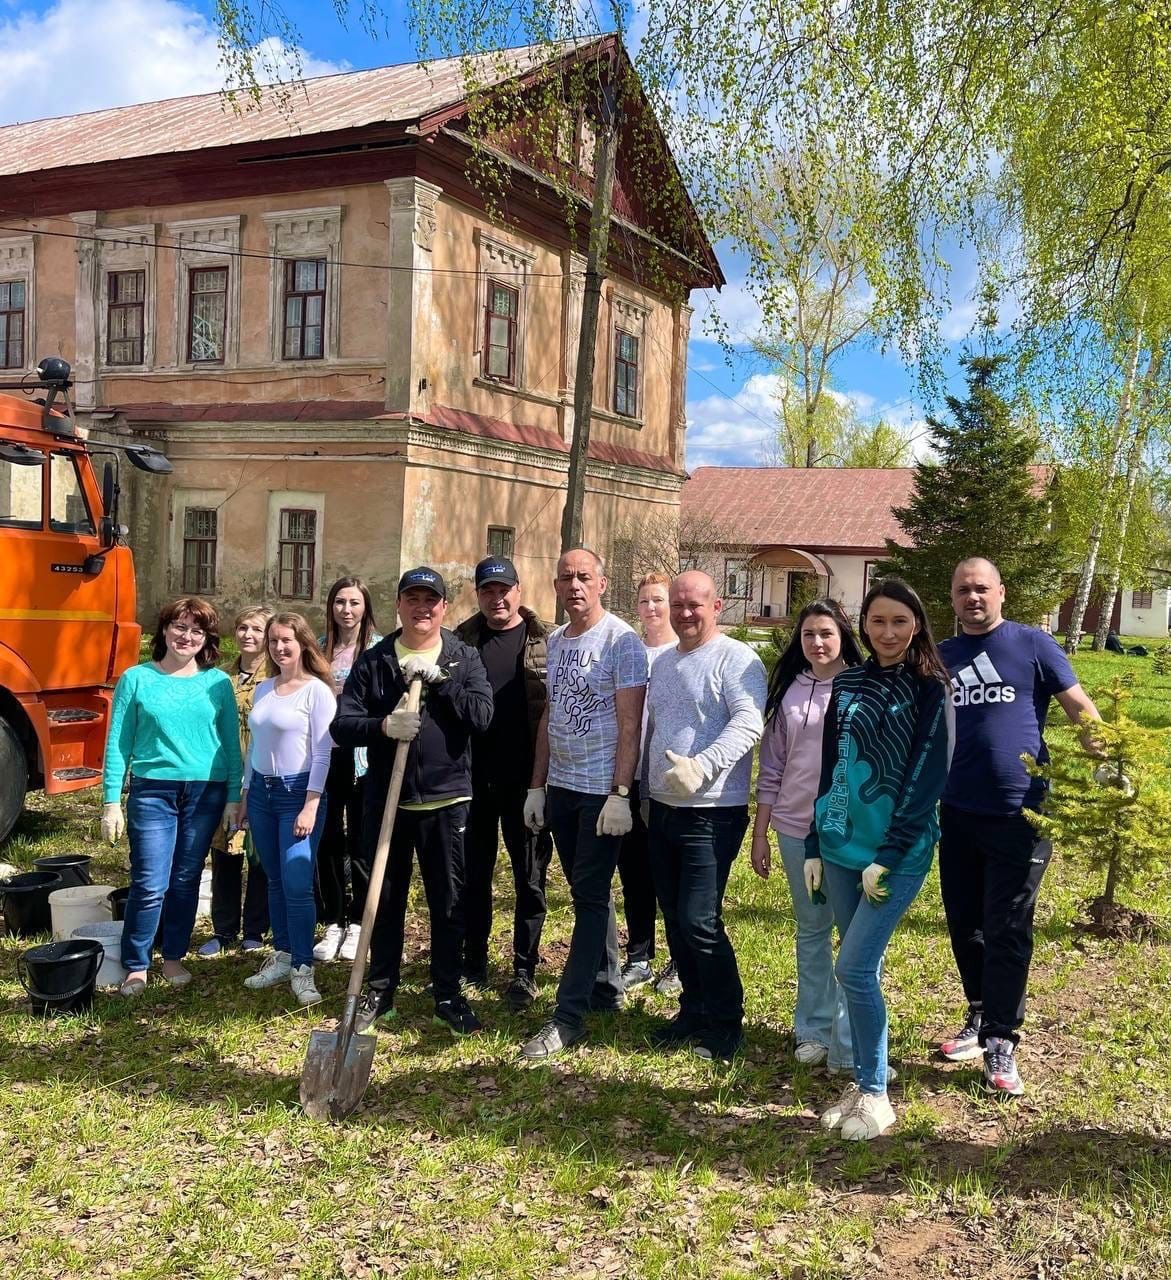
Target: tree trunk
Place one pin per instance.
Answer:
(1111, 877)
(1134, 464)
(1090, 564)
(583, 391)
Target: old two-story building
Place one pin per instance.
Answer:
(354, 359)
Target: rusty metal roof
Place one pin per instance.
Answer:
(351, 100)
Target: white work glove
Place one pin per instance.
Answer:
(813, 880)
(401, 725)
(1107, 775)
(874, 883)
(428, 672)
(534, 810)
(113, 823)
(685, 776)
(615, 818)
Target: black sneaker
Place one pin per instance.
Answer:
(457, 1016)
(475, 978)
(680, 1030)
(521, 992)
(607, 1004)
(375, 1007)
(552, 1039)
(636, 973)
(719, 1046)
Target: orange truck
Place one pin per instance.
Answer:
(68, 624)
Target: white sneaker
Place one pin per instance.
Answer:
(872, 1115)
(349, 948)
(327, 948)
(276, 969)
(811, 1053)
(838, 1111)
(304, 988)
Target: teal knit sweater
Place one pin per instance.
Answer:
(174, 728)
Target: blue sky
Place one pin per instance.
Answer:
(76, 55)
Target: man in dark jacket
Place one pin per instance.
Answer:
(437, 786)
(511, 643)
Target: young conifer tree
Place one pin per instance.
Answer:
(1113, 809)
(978, 497)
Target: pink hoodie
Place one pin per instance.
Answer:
(790, 755)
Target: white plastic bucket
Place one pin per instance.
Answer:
(109, 934)
(204, 908)
(80, 904)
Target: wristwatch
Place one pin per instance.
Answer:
(616, 790)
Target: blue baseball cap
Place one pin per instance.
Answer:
(496, 569)
(422, 577)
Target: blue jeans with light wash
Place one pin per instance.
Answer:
(865, 929)
(273, 805)
(170, 827)
(821, 1015)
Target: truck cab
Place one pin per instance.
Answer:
(68, 608)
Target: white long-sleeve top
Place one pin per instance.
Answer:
(290, 732)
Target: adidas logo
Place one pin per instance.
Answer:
(978, 683)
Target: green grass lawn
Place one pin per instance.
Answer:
(162, 1137)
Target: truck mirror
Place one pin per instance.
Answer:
(93, 565)
(145, 458)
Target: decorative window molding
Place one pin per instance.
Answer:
(194, 500)
(737, 579)
(123, 249)
(628, 317)
(507, 264)
(299, 234)
(281, 530)
(17, 255)
(206, 243)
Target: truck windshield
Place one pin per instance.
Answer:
(20, 496)
(68, 512)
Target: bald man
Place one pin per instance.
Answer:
(991, 859)
(705, 714)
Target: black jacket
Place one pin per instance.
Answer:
(439, 759)
(536, 659)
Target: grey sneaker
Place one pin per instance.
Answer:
(636, 973)
(276, 970)
(965, 1044)
(522, 991)
(667, 983)
(1000, 1070)
(552, 1039)
(376, 1008)
(304, 988)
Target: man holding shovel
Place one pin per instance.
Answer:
(437, 788)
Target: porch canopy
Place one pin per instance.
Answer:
(769, 595)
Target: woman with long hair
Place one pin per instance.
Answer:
(350, 630)
(886, 747)
(234, 856)
(174, 730)
(822, 644)
(284, 777)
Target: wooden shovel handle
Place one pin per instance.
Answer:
(378, 870)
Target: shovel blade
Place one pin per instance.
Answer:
(328, 1093)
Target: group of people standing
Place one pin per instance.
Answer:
(624, 754)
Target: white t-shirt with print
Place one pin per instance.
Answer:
(585, 673)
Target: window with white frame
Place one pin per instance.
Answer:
(306, 283)
(126, 257)
(736, 580)
(206, 290)
(200, 538)
(12, 303)
(17, 350)
(627, 333)
(294, 552)
(504, 283)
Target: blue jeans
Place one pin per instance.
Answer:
(692, 851)
(592, 978)
(865, 929)
(170, 826)
(821, 1015)
(273, 805)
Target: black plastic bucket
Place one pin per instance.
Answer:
(59, 976)
(24, 900)
(117, 900)
(73, 868)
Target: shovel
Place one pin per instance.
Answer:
(337, 1066)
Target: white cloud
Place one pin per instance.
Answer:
(728, 431)
(81, 56)
(733, 313)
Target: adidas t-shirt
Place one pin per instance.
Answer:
(1001, 684)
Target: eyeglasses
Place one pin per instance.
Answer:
(179, 629)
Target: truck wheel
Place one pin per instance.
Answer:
(13, 777)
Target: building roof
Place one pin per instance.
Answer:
(819, 507)
(351, 100)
